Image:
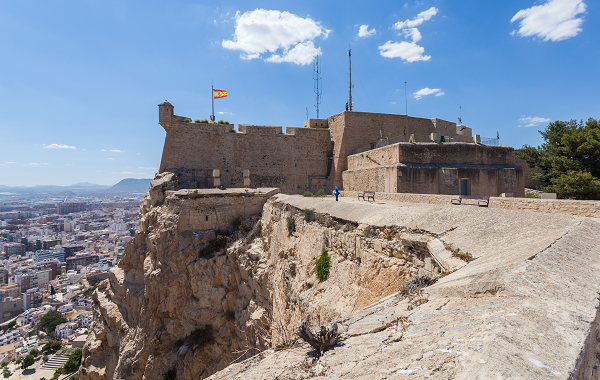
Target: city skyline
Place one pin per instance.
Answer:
(83, 89)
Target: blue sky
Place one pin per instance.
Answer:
(81, 80)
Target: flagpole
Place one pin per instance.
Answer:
(212, 95)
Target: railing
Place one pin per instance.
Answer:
(490, 141)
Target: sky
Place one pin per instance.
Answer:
(81, 80)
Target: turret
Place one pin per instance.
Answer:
(165, 114)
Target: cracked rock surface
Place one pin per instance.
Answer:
(527, 308)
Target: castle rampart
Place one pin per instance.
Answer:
(320, 155)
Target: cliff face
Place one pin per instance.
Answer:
(180, 301)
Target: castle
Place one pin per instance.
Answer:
(351, 150)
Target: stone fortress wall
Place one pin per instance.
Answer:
(339, 151)
(275, 159)
(433, 168)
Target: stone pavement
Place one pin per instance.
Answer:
(527, 308)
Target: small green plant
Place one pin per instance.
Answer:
(154, 345)
(164, 187)
(232, 130)
(532, 196)
(218, 243)
(308, 215)
(193, 194)
(321, 193)
(170, 375)
(223, 121)
(238, 224)
(74, 377)
(187, 120)
(291, 225)
(205, 121)
(322, 266)
(464, 256)
(307, 194)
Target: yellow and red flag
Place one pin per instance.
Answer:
(219, 94)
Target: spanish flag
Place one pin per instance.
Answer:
(219, 94)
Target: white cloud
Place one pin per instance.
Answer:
(261, 31)
(111, 150)
(364, 31)
(412, 33)
(427, 91)
(533, 121)
(393, 102)
(554, 20)
(37, 163)
(408, 51)
(301, 54)
(59, 146)
(10, 162)
(111, 158)
(418, 20)
(141, 167)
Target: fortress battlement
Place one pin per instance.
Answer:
(317, 154)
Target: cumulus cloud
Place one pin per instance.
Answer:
(413, 33)
(268, 31)
(112, 150)
(418, 20)
(10, 162)
(533, 121)
(408, 51)
(364, 31)
(427, 91)
(554, 20)
(37, 163)
(59, 146)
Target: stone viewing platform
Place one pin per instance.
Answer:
(526, 307)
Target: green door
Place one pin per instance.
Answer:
(464, 190)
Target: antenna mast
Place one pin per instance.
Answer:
(350, 106)
(459, 115)
(318, 91)
(405, 99)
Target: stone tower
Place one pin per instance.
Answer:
(165, 114)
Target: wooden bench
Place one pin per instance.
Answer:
(368, 194)
(482, 201)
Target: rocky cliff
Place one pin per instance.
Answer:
(193, 300)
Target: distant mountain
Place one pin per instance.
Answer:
(86, 184)
(131, 185)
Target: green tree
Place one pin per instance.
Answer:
(52, 345)
(50, 320)
(29, 360)
(35, 352)
(569, 159)
(72, 364)
(6, 374)
(11, 324)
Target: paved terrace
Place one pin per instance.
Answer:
(527, 308)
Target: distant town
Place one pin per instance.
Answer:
(54, 250)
